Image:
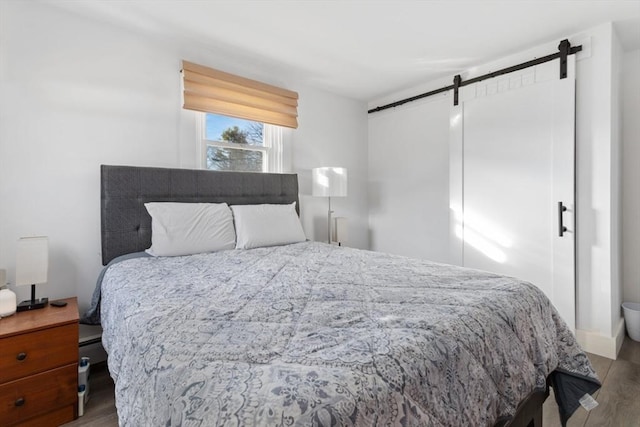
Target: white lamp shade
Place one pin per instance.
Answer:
(32, 263)
(329, 182)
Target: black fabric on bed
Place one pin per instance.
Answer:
(568, 388)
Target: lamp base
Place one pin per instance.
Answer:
(32, 304)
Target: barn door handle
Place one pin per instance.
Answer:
(561, 227)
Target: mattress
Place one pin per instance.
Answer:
(314, 334)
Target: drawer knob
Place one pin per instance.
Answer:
(20, 401)
(21, 356)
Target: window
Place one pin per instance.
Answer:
(241, 118)
(232, 144)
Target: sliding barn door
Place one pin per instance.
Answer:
(512, 177)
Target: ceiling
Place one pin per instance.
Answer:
(367, 49)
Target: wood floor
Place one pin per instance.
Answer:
(619, 397)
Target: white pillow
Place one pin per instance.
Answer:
(266, 225)
(190, 228)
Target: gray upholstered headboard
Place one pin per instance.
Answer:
(125, 223)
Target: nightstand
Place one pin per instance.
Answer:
(39, 366)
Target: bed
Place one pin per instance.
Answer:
(314, 334)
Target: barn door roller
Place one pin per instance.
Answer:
(564, 48)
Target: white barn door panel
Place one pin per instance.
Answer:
(511, 164)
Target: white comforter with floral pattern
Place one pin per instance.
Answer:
(311, 334)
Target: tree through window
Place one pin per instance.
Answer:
(234, 144)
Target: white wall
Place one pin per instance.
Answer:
(597, 208)
(409, 181)
(76, 93)
(631, 176)
(615, 183)
(332, 132)
(598, 284)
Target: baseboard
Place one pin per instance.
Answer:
(602, 345)
(620, 333)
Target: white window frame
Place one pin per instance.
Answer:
(271, 146)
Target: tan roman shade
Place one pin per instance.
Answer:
(213, 91)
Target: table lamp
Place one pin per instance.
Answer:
(329, 182)
(32, 265)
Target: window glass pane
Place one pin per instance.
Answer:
(230, 129)
(230, 159)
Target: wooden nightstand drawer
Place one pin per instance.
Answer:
(39, 366)
(38, 351)
(39, 394)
